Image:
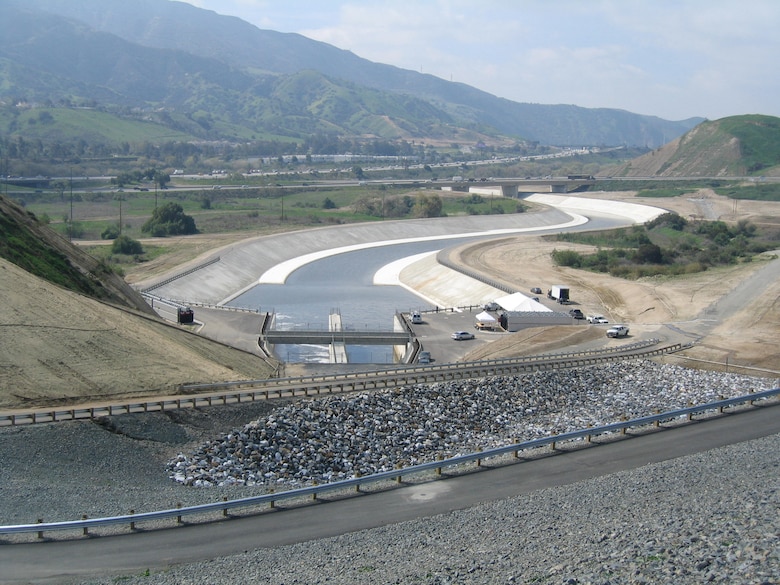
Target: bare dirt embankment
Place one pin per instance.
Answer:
(750, 337)
(60, 347)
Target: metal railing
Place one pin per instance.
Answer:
(632, 349)
(180, 275)
(393, 475)
(275, 388)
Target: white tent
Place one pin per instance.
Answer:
(485, 317)
(520, 302)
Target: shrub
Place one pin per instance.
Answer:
(567, 258)
(126, 245)
(110, 233)
(169, 220)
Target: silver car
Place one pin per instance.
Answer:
(461, 335)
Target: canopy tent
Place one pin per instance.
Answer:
(485, 317)
(520, 302)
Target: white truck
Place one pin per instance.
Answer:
(617, 331)
(597, 319)
(559, 293)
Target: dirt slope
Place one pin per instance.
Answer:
(37, 248)
(651, 306)
(60, 347)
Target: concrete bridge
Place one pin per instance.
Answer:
(512, 187)
(336, 338)
(321, 337)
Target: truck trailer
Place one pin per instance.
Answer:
(559, 293)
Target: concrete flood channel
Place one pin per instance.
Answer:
(307, 276)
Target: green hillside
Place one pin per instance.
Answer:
(221, 79)
(736, 146)
(759, 140)
(87, 124)
(42, 252)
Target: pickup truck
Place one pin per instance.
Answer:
(617, 331)
(597, 319)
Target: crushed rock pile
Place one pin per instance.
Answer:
(340, 437)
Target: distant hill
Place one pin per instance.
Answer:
(734, 146)
(214, 77)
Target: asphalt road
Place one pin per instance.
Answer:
(51, 561)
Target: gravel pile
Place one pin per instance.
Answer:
(340, 437)
(711, 517)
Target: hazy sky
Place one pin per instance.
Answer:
(670, 58)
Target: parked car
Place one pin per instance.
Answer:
(597, 319)
(536, 290)
(491, 307)
(424, 357)
(617, 331)
(461, 335)
(577, 314)
(416, 318)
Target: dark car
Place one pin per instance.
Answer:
(577, 314)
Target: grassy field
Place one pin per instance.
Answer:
(250, 209)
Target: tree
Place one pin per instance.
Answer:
(161, 178)
(427, 206)
(60, 186)
(169, 220)
(111, 232)
(126, 245)
(649, 254)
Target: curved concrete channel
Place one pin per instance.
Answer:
(234, 274)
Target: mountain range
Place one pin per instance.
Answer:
(212, 77)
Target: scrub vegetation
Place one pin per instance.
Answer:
(667, 245)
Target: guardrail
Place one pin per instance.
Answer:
(629, 348)
(443, 258)
(275, 388)
(394, 475)
(180, 275)
(296, 336)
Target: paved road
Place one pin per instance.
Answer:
(48, 562)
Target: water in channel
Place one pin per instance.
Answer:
(342, 283)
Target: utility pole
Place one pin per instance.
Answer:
(70, 225)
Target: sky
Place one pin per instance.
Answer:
(674, 59)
